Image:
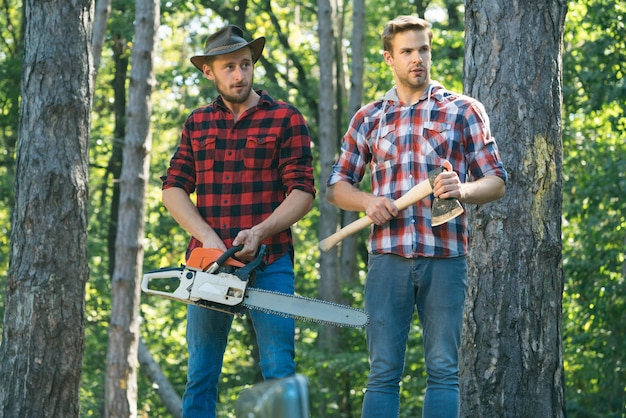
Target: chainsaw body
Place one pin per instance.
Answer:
(227, 285)
(211, 279)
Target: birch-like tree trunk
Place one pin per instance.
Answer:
(348, 267)
(328, 284)
(43, 333)
(101, 19)
(512, 355)
(121, 374)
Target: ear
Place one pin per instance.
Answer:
(388, 57)
(207, 71)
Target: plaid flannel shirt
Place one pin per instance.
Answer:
(401, 144)
(241, 171)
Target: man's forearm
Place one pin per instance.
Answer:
(297, 204)
(483, 190)
(182, 209)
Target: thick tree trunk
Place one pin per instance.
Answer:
(121, 375)
(43, 333)
(512, 355)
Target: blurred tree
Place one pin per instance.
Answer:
(121, 371)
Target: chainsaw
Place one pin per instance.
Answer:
(214, 279)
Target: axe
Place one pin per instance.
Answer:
(442, 210)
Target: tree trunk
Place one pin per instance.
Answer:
(121, 375)
(329, 285)
(43, 333)
(101, 19)
(349, 246)
(512, 360)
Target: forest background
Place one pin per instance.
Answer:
(594, 186)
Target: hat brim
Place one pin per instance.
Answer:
(256, 47)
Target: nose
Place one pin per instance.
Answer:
(238, 72)
(415, 57)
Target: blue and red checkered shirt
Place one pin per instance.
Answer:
(401, 143)
(241, 171)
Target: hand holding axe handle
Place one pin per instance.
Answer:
(442, 210)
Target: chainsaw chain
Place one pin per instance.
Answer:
(303, 318)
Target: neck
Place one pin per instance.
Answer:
(411, 94)
(238, 108)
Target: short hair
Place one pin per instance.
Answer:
(402, 24)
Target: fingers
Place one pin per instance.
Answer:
(381, 210)
(250, 244)
(447, 185)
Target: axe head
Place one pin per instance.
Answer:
(443, 210)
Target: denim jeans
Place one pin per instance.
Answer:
(394, 287)
(207, 336)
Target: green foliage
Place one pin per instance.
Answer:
(594, 225)
(10, 72)
(594, 237)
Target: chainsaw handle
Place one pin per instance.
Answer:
(175, 273)
(228, 254)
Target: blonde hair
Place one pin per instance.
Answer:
(401, 24)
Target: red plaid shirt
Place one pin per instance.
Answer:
(401, 144)
(241, 171)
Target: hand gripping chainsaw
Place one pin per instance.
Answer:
(215, 280)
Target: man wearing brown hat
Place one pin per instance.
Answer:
(248, 158)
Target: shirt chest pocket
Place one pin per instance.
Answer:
(437, 138)
(205, 153)
(384, 146)
(260, 152)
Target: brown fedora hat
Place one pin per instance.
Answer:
(225, 41)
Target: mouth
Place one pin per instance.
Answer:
(419, 71)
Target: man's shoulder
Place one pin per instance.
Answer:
(442, 93)
(268, 102)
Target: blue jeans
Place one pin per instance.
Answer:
(394, 287)
(207, 335)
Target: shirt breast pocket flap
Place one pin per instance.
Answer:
(436, 133)
(384, 146)
(260, 152)
(205, 154)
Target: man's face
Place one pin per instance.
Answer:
(410, 59)
(232, 74)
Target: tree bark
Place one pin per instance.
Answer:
(101, 19)
(43, 333)
(349, 246)
(512, 359)
(121, 374)
(329, 285)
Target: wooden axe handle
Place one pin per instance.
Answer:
(417, 193)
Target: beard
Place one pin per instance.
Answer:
(417, 82)
(234, 97)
